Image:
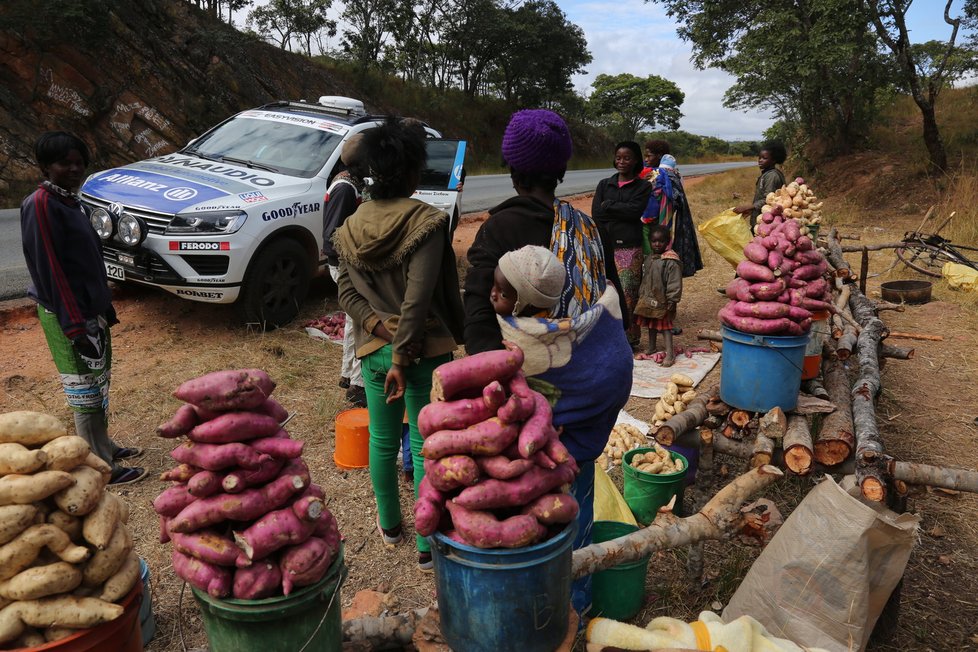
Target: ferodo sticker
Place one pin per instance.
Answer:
(206, 295)
(199, 246)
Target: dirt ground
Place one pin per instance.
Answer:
(927, 413)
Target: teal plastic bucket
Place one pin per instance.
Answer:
(618, 592)
(146, 619)
(645, 493)
(504, 599)
(308, 618)
(760, 372)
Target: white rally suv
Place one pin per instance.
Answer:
(236, 216)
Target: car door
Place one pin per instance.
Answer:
(441, 179)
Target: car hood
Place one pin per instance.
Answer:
(177, 182)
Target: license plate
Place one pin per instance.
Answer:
(126, 259)
(115, 272)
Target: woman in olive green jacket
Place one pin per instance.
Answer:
(399, 284)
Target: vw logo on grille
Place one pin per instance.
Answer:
(116, 208)
(180, 194)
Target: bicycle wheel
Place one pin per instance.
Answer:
(927, 259)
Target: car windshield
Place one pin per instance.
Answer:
(278, 146)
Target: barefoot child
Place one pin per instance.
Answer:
(662, 288)
(526, 281)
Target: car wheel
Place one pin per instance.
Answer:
(275, 285)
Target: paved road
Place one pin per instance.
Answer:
(481, 192)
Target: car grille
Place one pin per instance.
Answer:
(208, 265)
(149, 266)
(156, 222)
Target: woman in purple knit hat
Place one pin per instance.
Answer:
(591, 383)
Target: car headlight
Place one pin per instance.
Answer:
(214, 222)
(132, 230)
(101, 221)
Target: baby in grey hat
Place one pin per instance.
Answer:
(527, 281)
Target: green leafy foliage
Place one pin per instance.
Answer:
(625, 103)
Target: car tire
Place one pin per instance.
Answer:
(276, 285)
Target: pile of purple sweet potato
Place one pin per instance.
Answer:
(243, 516)
(781, 282)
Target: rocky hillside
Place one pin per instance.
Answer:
(134, 79)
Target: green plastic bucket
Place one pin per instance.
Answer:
(645, 492)
(308, 619)
(619, 592)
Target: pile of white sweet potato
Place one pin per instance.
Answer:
(243, 516)
(780, 283)
(796, 200)
(65, 552)
(496, 473)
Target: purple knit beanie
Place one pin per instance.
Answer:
(537, 141)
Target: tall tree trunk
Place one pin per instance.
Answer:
(932, 135)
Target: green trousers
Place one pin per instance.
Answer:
(387, 427)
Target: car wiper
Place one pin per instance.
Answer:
(199, 154)
(250, 164)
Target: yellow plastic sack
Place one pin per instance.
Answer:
(608, 502)
(727, 234)
(960, 277)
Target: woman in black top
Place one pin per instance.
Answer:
(617, 207)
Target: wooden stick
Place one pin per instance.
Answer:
(797, 444)
(934, 476)
(851, 249)
(835, 440)
(763, 451)
(870, 455)
(863, 270)
(691, 417)
(719, 516)
(886, 305)
(915, 336)
(846, 343)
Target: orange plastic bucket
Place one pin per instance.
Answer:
(813, 351)
(352, 439)
(120, 635)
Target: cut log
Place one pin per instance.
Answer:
(773, 424)
(934, 476)
(797, 445)
(896, 352)
(739, 418)
(846, 343)
(812, 404)
(383, 632)
(763, 451)
(871, 459)
(863, 269)
(718, 517)
(835, 257)
(836, 439)
(717, 408)
(886, 305)
(915, 336)
(711, 335)
(694, 415)
(731, 431)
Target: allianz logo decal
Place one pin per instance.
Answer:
(294, 210)
(216, 168)
(138, 182)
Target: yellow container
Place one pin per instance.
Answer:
(352, 439)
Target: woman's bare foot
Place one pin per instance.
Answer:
(669, 360)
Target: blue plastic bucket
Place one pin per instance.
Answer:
(501, 599)
(759, 372)
(146, 619)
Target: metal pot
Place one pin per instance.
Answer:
(907, 291)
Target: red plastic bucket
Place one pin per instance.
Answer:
(120, 635)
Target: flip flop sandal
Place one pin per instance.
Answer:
(127, 475)
(127, 453)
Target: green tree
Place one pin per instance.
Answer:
(814, 63)
(625, 103)
(371, 24)
(540, 52)
(922, 70)
(286, 20)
